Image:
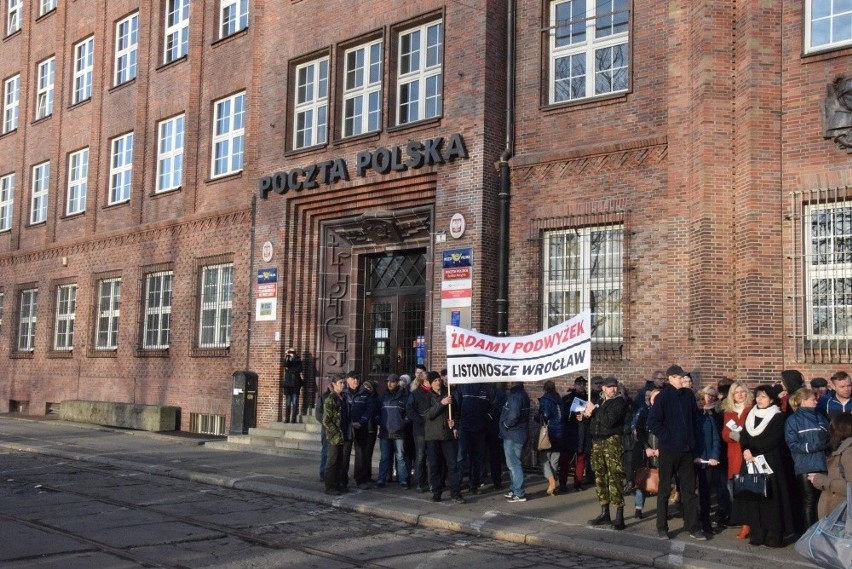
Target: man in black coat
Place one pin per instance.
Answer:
(674, 420)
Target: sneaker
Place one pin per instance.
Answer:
(509, 495)
(698, 536)
(458, 499)
(663, 533)
(517, 499)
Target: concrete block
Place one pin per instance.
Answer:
(124, 415)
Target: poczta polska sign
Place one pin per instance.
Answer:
(412, 156)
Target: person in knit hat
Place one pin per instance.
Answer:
(791, 382)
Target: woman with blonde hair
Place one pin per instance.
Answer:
(735, 407)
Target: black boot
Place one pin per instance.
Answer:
(619, 519)
(287, 414)
(602, 519)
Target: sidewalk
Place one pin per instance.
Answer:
(554, 522)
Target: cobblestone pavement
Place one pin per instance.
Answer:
(64, 513)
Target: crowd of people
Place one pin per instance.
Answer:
(797, 433)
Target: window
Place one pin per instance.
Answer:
(11, 97)
(311, 118)
(588, 35)
(158, 310)
(170, 154)
(827, 24)
(126, 46)
(583, 269)
(828, 273)
(28, 303)
(13, 23)
(216, 294)
(7, 199)
(44, 94)
(109, 303)
(228, 131)
(177, 29)
(234, 17)
(78, 175)
(38, 203)
(84, 59)
(46, 6)
(121, 168)
(420, 80)
(66, 308)
(362, 89)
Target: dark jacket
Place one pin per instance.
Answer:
(292, 372)
(550, 413)
(577, 437)
(608, 418)
(515, 416)
(364, 407)
(829, 405)
(415, 409)
(393, 419)
(806, 434)
(475, 402)
(436, 416)
(674, 419)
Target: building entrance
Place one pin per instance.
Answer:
(394, 312)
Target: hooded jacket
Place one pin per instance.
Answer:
(806, 434)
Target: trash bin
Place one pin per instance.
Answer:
(243, 402)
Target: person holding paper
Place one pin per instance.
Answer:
(735, 408)
(607, 424)
(762, 439)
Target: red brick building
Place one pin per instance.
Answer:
(188, 188)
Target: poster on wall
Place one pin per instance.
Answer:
(265, 309)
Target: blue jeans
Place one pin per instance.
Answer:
(393, 449)
(640, 499)
(513, 451)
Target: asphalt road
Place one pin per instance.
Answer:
(57, 513)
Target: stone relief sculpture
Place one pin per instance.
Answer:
(837, 113)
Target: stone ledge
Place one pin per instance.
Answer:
(125, 415)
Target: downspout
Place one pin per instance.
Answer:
(250, 277)
(504, 191)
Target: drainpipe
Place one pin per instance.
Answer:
(504, 191)
(251, 278)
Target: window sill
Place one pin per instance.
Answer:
(13, 34)
(41, 119)
(827, 53)
(165, 193)
(609, 99)
(116, 205)
(172, 63)
(60, 354)
(421, 124)
(210, 352)
(306, 150)
(47, 14)
(9, 133)
(152, 353)
(109, 353)
(69, 216)
(36, 224)
(233, 36)
(359, 138)
(224, 178)
(121, 86)
(18, 355)
(79, 104)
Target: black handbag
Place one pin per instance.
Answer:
(751, 486)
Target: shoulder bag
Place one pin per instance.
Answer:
(543, 438)
(751, 486)
(647, 479)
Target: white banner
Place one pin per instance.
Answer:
(473, 357)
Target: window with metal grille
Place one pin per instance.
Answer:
(206, 424)
(108, 313)
(822, 266)
(396, 271)
(27, 308)
(583, 269)
(66, 309)
(214, 327)
(158, 310)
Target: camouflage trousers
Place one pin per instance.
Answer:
(609, 470)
